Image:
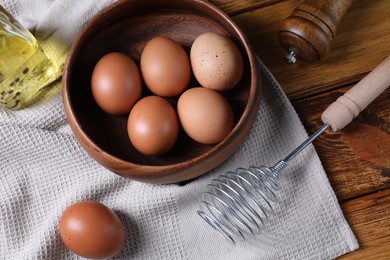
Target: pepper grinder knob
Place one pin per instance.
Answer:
(308, 32)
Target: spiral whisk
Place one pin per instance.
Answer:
(239, 203)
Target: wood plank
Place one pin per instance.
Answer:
(370, 221)
(356, 158)
(362, 42)
(233, 7)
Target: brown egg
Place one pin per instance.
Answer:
(116, 83)
(216, 61)
(153, 126)
(165, 67)
(205, 115)
(92, 230)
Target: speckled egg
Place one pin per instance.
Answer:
(216, 61)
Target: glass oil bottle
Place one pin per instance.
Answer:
(24, 67)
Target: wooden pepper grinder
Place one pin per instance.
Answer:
(308, 32)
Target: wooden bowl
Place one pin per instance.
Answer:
(126, 26)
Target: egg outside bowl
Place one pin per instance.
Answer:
(126, 26)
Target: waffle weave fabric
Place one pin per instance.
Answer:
(43, 170)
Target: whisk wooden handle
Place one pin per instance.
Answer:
(347, 107)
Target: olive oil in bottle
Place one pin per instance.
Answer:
(24, 67)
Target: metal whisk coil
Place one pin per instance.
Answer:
(239, 203)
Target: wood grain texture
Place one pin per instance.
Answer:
(309, 30)
(233, 7)
(370, 221)
(361, 43)
(356, 158)
(357, 162)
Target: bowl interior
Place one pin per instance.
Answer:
(126, 26)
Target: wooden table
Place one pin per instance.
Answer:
(357, 158)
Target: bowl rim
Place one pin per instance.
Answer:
(143, 170)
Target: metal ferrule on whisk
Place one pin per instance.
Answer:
(238, 203)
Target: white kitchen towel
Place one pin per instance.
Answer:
(43, 170)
